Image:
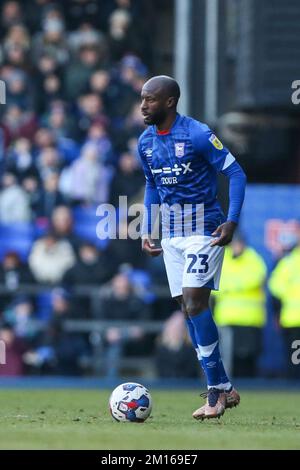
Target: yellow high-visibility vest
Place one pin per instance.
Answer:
(284, 284)
(241, 298)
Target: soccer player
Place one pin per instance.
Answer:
(181, 158)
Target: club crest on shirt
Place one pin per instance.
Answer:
(215, 141)
(179, 149)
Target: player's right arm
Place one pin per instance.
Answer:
(151, 207)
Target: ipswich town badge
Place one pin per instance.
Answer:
(179, 149)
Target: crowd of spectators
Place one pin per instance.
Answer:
(73, 72)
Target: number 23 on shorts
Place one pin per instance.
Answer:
(192, 268)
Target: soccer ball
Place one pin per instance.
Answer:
(130, 402)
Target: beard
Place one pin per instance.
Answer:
(155, 118)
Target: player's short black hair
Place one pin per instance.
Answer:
(168, 84)
(174, 89)
(171, 86)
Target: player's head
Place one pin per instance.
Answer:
(160, 96)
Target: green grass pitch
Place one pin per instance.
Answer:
(73, 419)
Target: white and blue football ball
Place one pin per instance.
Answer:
(130, 402)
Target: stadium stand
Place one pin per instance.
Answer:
(68, 137)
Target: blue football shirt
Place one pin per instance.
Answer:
(182, 165)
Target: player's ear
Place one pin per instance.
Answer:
(171, 103)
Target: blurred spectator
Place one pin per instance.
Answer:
(240, 309)
(128, 78)
(36, 11)
(134, 123)
(16, 57)
(90, 108)
(48, 161)
(120, 303)
(77, 74)
(51, 40)
(14, 350)
(52, 88)
(155, 267)
(118, 97)
(11, 14)
(122, 38)
(62, 226)
(125, 249)
(119, 22)
(19, 315)
(140, 281)
(57, 119)
(99, 81)
(87, 36)
(284, 285)
(98, 136)
(50, 196)
(175, 356)
(58, 351)
(62, 222)
(14, 203)
(17, 36)
(87, 179)
(20, 159)
(46, 89)
(18, 123)
(13, 272)
(128, 180)
(17, 90)
(31, 186)
(45, 138)
(132, 70)
(50, 258)
(93, 267)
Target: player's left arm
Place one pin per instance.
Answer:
(209, 146)
(237, 184)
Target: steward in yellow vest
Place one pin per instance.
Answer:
(284, 284)
(241, 298)
(240, 308)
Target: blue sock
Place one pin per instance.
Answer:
(191, 329)
(207, 338)
(223, 376)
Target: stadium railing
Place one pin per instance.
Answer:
(141, 365)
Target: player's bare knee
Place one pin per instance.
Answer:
(195, 300)
(179, 300)
(195, 307)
